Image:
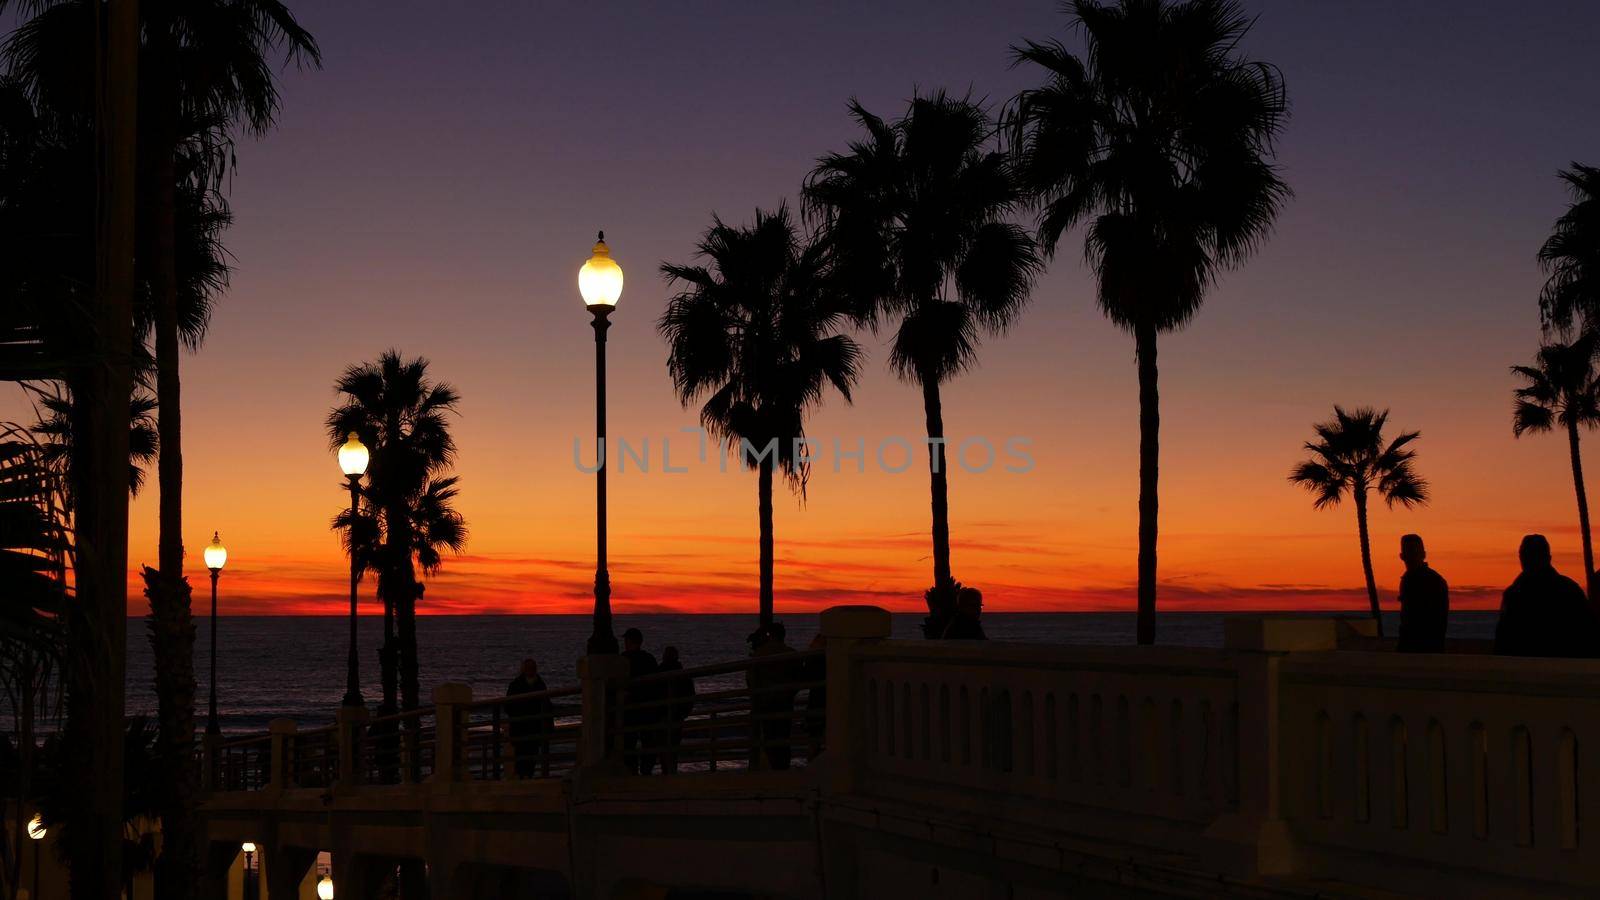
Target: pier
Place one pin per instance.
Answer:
(1296, 761)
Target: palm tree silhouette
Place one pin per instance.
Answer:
(1563, 389)
(755, 333)
(203, 72)
(1158, 138)
(1349, 456)
(403, 417)
(915, 219)
(1571, 255)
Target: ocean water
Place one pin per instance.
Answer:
(294, 667)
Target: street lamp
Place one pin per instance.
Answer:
(600, 283)
(325, 888)
(249, 849)
(353, 458)
(216, 557)
(36, 832)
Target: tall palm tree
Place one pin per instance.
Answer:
(205, 71)
(1571, 255)
(1157, 139)
(915, 215)
(755, 333)
(404, 417)
(1349, 456)
(1563, 389)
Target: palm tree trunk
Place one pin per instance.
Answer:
(1583, 508)
(171, 624)
(1366, 556)
(764, 512)
(1149, 474)
(941, 600)
(97, 628)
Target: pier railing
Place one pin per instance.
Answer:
(765, 713)
(1279, 753)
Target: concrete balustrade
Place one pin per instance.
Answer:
(1277, 763)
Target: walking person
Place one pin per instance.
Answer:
(1424, 600)
(680, 695)
(530, 721)
(638, 741)
(1544, 613)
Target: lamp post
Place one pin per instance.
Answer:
(600, 283)
(249, 849)
(36, 833)
(353, 458)
(216, 557)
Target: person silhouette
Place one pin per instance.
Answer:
(772, 695)
(1544, 613)
(965, 624)
(1424, 600)
(530, 721)
(638, 738)
(680, 694)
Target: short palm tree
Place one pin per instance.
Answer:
(916, 219)
(1563, 390)
(404, 417)
(754, 331)
(1571, 255)
(1158, 138)
(1350, 457)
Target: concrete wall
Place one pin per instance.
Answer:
(1277, 764)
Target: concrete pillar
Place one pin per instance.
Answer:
(601, 677)
(282, 732)
(845, 629)
(1256, 839)
(353, 876)
(286, 870)
(450, 729)
(352, 722)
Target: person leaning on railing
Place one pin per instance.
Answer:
(530, 721)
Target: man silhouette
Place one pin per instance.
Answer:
(1424, 600)
(1544, 613)
(638, 740)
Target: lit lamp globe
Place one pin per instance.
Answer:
(248, 847)
(600, 279)
(325, 888)
(353, 458)
(216, 555)
(36, 829)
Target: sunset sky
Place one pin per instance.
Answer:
(435, 187)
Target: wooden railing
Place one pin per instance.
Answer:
(522, 736)
(397, 748)
(765, 712)
(314, 757)
(244, 763)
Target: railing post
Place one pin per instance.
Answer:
(211, 761)
(602, 677)
(844, 630)
(450, 732)
(1255, 838)
(282, 775)
(352, 732)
